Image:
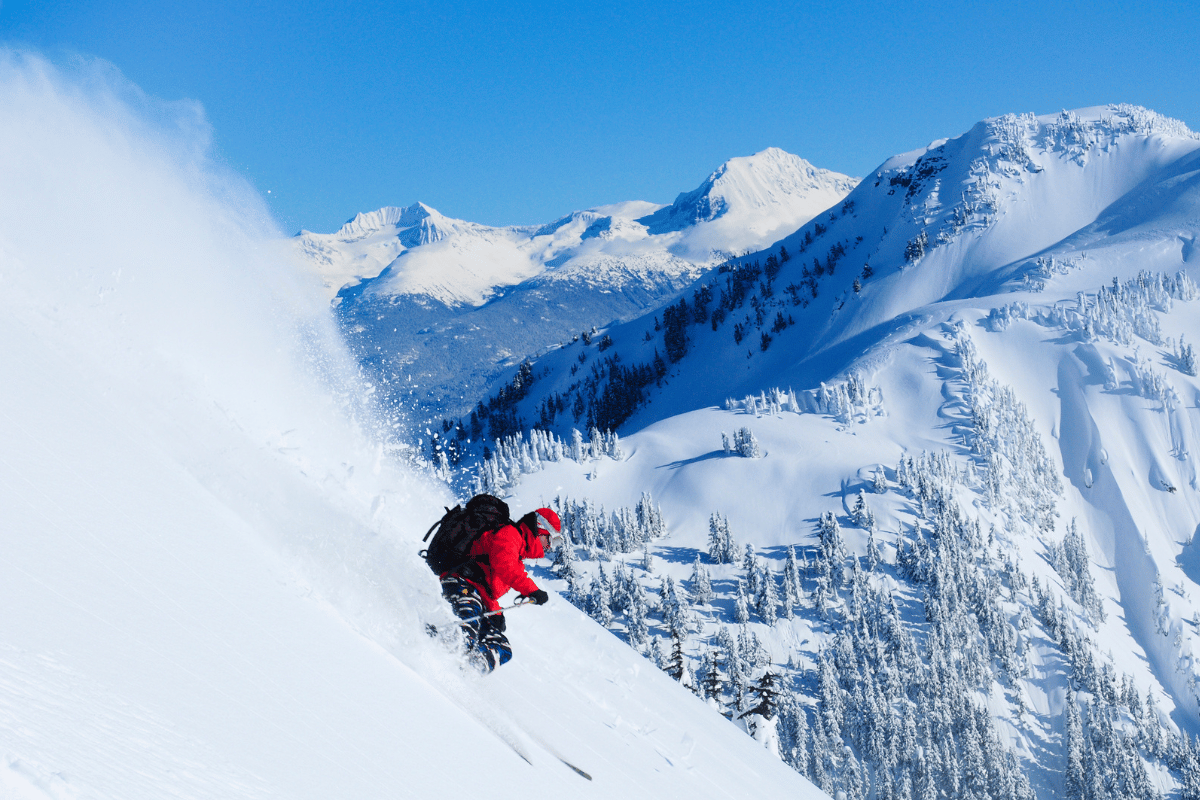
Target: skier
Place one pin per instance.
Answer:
(494, 568)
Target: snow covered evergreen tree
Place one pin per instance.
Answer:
(676, 664)
(767, 599)
(879, 481)
(741, 608)
(701, 583)
(747, 444)
(722, 549)
(638, 609)
(792, 587)
(1071, 561)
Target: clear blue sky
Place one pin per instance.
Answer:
(518, 112)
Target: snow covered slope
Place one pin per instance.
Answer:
(207, 569)
(967, 399)
(449, 303)
(966, 217)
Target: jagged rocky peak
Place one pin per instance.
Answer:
(588, 218)
(747, 183)
(426, 224)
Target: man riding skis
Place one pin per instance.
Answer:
(494, 568)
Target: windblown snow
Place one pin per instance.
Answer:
(208, 577)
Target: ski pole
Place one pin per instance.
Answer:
(517, 604)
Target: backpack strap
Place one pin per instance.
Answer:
(435, 525)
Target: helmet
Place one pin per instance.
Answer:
(548, 524)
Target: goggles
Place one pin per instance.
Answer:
(550, 538)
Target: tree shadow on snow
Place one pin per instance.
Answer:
(705, 457)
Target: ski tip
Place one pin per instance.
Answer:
(576, 769)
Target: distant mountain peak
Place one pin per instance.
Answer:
(417, 215)
(743, 186)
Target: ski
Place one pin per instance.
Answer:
(576, 769)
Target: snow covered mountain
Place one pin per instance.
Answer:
(209, 578)
(449, 303)
(749, 202)
(929, 461)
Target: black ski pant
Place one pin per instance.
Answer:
(486, 645)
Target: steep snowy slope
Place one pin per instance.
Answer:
(965, 217)
(450, 303)
(983, 458)
(207, 570)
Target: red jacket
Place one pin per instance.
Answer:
(502, 568)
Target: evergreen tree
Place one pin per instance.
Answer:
(647, 557)
(1187, 358)
(701, 583)
(854, 780)
(1189, 774)
(749, 559)
(621, 591)
(638, 630)
(1071, 561)
(674, 609)
(873, 554)
(1075, 781)
(741, 609)
(565, 563)
(676, 665)
(768, 598)
(656, 653)
(692, 681)
(822, 590)
(600, 599)
(830, 705)
(765, 695)
(791, 584)
(858, 514)
(833, 548)
(744, 442)
(711, 683)
(879, 481)
(721, 547)
(738, 671)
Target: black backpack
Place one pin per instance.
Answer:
(453, 535)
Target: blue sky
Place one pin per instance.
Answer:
(515, 112)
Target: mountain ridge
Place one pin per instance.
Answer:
(906, 248)
(466, 305)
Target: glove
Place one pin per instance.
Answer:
(538, 598)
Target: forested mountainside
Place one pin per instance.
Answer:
(920, 484)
